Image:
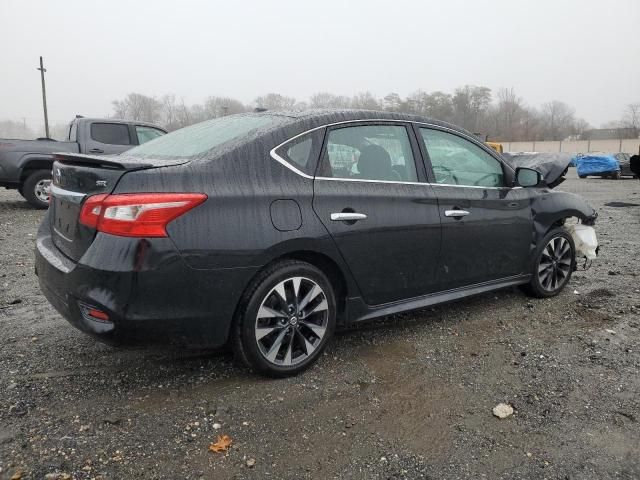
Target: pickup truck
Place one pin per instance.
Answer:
(26, 164)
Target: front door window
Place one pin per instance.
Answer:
(456, 161)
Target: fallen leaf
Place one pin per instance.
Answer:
(17, 475)
(222, 445)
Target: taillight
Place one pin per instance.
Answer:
(137, 214)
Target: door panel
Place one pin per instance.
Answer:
(487, 227)
(393, 252)
(491, 242)
(390, 238)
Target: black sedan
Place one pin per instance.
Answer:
(270, 230)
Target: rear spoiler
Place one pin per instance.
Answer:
(114, 162)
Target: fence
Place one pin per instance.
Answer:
(628, 145)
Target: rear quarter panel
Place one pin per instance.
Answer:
(234, 227)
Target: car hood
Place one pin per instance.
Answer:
(552, 166)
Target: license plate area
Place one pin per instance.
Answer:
(65, 218)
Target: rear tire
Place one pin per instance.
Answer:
(582, 176)
(554, 263)
(617, 176)
(285, 319)
(35, 189)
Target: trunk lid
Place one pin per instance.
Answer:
(76, 177)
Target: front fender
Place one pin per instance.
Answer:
(553, 207)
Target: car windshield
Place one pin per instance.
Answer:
(196, 140)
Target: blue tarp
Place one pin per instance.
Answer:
(596, 164)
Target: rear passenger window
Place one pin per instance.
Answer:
(370, 152)
(111, 133)
(303, 152)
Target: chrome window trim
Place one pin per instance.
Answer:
(68, 195)
(281, 160)
(288, 165)
(366, 180)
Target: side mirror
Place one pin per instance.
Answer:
(528, 177)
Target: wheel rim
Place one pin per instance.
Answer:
(555, 264)
(42, 190)
(292, 321)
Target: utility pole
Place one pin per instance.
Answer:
(44, 99)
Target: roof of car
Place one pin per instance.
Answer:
(319, 117)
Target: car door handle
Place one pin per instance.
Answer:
(456, 213)
(347, 216)
(96, 150)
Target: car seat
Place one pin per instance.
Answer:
(375, 164)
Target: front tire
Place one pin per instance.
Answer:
(554, 263)
(36, 188)
(285, 319)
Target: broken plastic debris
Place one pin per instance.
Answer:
(584, 238)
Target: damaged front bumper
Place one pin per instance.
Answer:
(585, 241)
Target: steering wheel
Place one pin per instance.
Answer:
(446, 172)
(488, 175)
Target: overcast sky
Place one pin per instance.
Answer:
(583, 52)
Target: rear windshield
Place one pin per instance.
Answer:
(196, 140)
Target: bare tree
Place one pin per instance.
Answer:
(530, 124)
(508, 114)
(393, 103)
(275, 101)
(416, 102)
(631, 117)
(13, 129)
(328, 100)
(136, 106)
(365, 101)
(215, 107)
(557, 120)
(470, 103)
(183, 115)
(580, 126)
(439, 105)
(470, 107)
(169, 112)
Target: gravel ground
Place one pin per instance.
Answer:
(409, 397)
